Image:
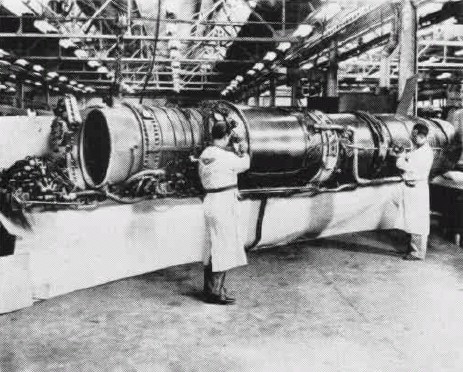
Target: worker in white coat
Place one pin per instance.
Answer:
(218, 170)
(416, 166)
(457, 120)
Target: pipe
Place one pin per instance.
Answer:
(122, 200)
(145, 172)
(294, 100)
(259, 225)
(332, 73)
(272, 92)
(257, 98)
(385, 68)
(408, 50)
(315, 190)
(355, 169)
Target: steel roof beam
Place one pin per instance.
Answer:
(247, 39)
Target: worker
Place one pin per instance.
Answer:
(219, 166)
(457, 120)
(60, 133)
(416, 166)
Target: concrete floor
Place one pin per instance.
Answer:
(348, 303)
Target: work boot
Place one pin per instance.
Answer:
(215, 292)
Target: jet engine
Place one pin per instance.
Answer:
(289, 149)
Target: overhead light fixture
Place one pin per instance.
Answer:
(270, 56)
(432, 59)
(21, 62)
(307, 66)
(239, 79)
(52, 75)
(102, 70)
(206, 67)
(252, 3)
(81, 54)
(11, 90)
(3, 53)
(45, 27)
(251, 72)
(67, 43)
(28, 81)
(444, 75)
(303, 30)
(93, 63)
(3, 86)
(37, 68)
(55, 89)
(4, 63)
(63, 79)
(258, 66)
(38, 84)
(284, 46)
(459, 53)
(73, 82)
(80, 86)
(12, 77)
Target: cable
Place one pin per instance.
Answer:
(156, 37)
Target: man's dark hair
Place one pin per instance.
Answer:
(219, 130)
(421, 128)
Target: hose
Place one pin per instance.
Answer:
(355, 169)
(122, 200)
(145, 172)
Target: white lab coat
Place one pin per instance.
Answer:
(219, 168)
(415, 201)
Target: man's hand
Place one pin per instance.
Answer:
(396, 151)
(240, 148)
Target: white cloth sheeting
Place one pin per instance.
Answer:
(93, 247)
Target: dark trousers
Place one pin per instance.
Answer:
(213, 281)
